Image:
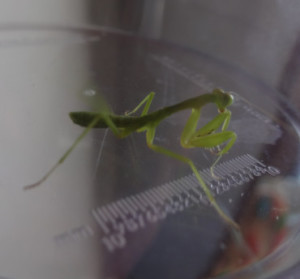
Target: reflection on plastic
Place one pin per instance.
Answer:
(264, 228)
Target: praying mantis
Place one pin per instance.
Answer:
(211, 135)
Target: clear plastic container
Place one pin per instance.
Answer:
(116, 209)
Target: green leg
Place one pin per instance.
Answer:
(190, 128)
(221, 119)
(232, 138)
(150, 137)
(213, 140)
(147, 101)
(206, 137)
(105, 116)
(109, 123)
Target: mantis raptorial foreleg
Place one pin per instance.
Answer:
(206, 136)
(67, 153)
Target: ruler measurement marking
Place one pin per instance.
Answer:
(134, 212)
(97, 214)
(127, 206)
(167, 193)
(155, 192)
(142, 200)
(107, 213)
(149, 195)
(139, 204)
(118, 210)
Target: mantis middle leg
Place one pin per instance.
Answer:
(147, 101)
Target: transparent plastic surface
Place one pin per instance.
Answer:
(116, 209)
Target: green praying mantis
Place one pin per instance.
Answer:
(211, 135)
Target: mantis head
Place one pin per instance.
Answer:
(223, 99)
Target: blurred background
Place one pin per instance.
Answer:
(258, 36)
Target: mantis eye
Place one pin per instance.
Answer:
(231, 97)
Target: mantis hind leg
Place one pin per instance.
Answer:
(150, 137)
(109, 123)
